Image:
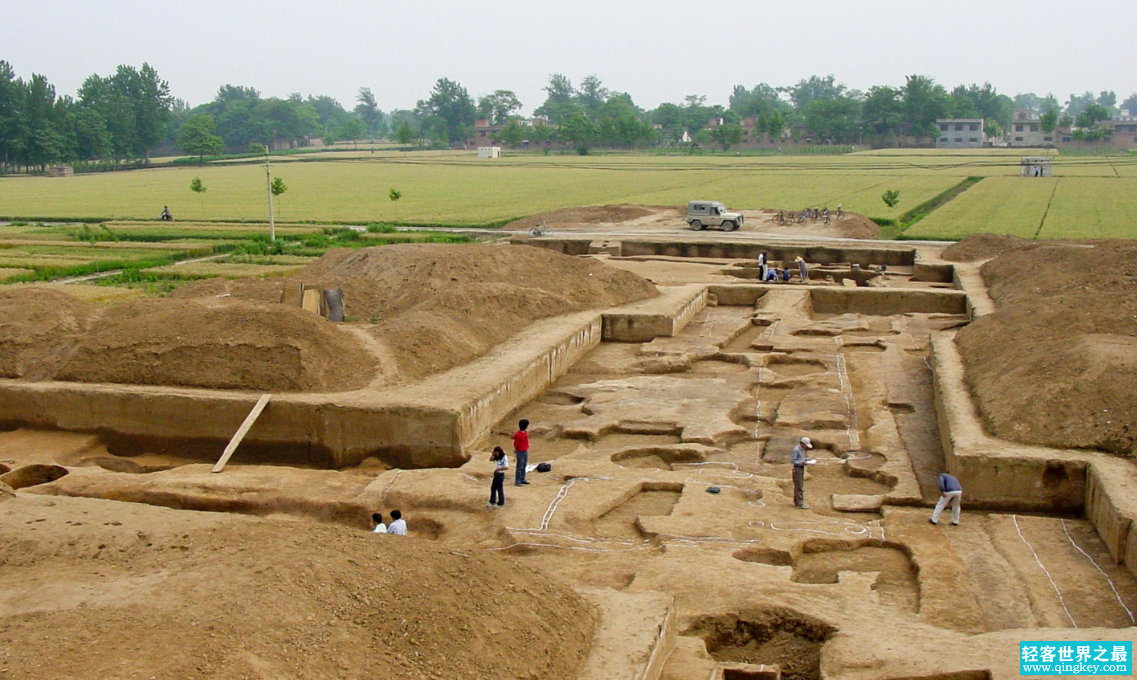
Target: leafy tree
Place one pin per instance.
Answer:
(579, 132)
(891, 197)
(559, 104)
(775, 125)
(883, 111)
(498, 108)
(1049, 120)
(1130, 104)
(1078, 103)
(540, 133)
(815, 87)
(1065, 121)
(353, 129)
(368, 110)
(198, 136)
(991, 128)
(1108, 99)
(1090, 116)
(405, 133)
(592, 94)
(277, 188)
(833, 120)
(198, 188)
(449, 111)
(394, 194)
(728, 135)
(924, 102)
(511, 134)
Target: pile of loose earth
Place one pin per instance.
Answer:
(412, 309)
(134, 591)
(433, 306)
(1056, 364)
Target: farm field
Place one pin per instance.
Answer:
(155, 251)
(1050, 207)
(450, 188)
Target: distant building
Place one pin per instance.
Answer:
(1125, 131)
(60, 171)
(1026, 130)
(489, 152)
(960, 133)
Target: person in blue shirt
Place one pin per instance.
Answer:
(950, 492)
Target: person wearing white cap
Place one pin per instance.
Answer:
(798, 460)
(802, 269)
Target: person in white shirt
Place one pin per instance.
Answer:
(380, 528)
(497, 486)
(398, 526)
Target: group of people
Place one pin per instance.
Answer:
(766, 273)
(950, 489)
(809, 214)
(397, 527)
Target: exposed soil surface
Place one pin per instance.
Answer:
(659, 219)
(1056, 364)
(593, 214)
(35, 327)
(101, 589)
(982, 247)
(437, 306)
(414, 310)
(221, 344)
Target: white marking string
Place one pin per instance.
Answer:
(849, 528)
(1041, 566)
(1116, 594)
(561, 493)
(851, 429)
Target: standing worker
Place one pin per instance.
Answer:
(802, 269)
(521, 451)
(950, 492)
(798, 460)
(762, 265)
(497, 487)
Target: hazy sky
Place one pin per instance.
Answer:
(658, 51)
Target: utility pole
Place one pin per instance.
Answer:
(268, 188)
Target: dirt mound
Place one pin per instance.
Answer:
(218, 344)
(591, 214)
(36, 326)
(132, 591)
(983, 247)
(1056, 364)
(857, 226)
(437, 306)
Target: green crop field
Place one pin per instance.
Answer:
(1049, 207)
(456, 189)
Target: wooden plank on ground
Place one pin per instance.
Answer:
(241, 432)
(313, 300)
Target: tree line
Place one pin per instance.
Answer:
(127, 116)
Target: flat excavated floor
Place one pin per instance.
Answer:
(670, 475)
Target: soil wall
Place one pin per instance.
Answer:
(862, 255)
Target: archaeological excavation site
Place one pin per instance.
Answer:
(666, 383)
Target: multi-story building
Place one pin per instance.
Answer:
(960, 133)
(1026, 130)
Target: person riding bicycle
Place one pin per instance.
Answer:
(166, 216)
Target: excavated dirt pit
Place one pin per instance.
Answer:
(896, 585)
(780, 637)
(638, 432)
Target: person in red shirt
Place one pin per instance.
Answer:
(521, 451)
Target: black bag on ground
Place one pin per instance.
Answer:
(544, 467)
